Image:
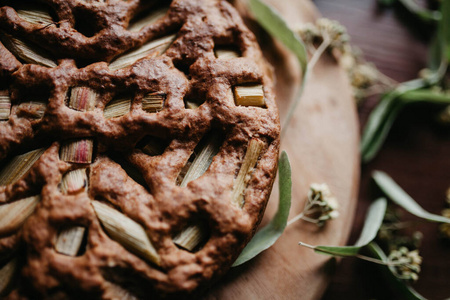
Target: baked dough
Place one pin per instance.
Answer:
(84, 40)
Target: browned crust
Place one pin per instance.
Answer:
(163, 209)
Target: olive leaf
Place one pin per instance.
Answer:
(436, 51)
(383, 116)
(378, 125)
(401, 198)
(276, 26)
(422, 13)
(445, 27)
(269, 234)
(405, 290)
(387, 2)
(374, 219)
(426, 95)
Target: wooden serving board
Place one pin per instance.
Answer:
(322, 141)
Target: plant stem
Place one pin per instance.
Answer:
(363, 257)
(318, 53)
(296, 218)
(306, 210)
(426, 96)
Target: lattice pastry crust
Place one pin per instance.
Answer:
(138, 145)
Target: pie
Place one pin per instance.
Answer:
(138, 142)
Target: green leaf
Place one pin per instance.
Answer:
(268, 235)
(378, 125)
(426, 95)
(445, 27)
(274, 24)
(383, 116)
(387, 2)
(405, 290)
(400, 197)
(374, 219)
(421, 12)
(436, 52)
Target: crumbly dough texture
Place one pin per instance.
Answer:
(187, 70)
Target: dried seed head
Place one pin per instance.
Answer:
(35, 14)
(202, 160)
(444, 228)
(158, 47)
(309, 33)
(251, 95)
(324, 30)
(117, 108)
(7, 275)
(5, 105)
(444, 116)
(29, 54)
(82, 99)
(14, 214)
(321, 205)
(223, 53)
(334, 32)
(248, 164)
(74, 181)
(69, 240)
(405, 263)
(363, 76)
(78, 151)
(127, 232)
(447, 196)
(153, 102)
(19, 166)
(190, 237)
(149, 19)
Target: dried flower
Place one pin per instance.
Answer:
(447, 196)
(323, 202)
(444, 116)
(320, 207)
(391, 236)
(327, 31)
(334, 32)
(405, 263)
(332, 36)
(363, 76)
(444, 228)
(309, 33)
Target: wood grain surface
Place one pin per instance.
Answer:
(415, 154)
(322, 143)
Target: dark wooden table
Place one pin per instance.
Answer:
(416, 153)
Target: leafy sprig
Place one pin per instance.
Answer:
(422, 13)
(383, 116)
(401, 265)
(374, 219)
(401, 198)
